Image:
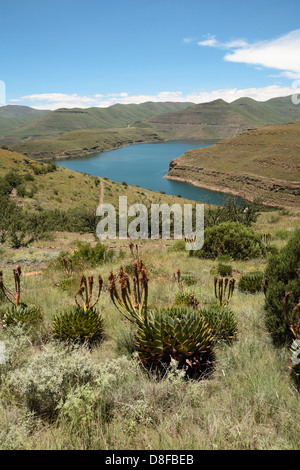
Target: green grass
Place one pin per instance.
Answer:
(250, 402)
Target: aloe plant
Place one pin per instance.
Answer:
(162, 336)
(17, 312)
(175, 334)
(130, 298)
(81, 323)
(224, 288)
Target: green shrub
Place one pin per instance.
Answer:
(86, 254)
(251, 282)
(221, 320)
(179, 245)
(224, 270)
(232, 239)
(45, 381)
(283, 274)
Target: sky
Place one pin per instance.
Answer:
(84, 53)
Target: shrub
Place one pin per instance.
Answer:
(45, 381)
(232, 239)
(251, 282)
(224, 269)
(283, 274)
(188, 278)
(91, 255)
(179, 245)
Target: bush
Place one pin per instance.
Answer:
(91, 255)
(45, 381)
(283, 274)
(251, 282)
(179, 245)
(188, 278)
(232, 239)
(224, 270)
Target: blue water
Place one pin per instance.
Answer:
(145, 165)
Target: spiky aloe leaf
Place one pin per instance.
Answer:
(27, 315)
(221, 320)
(78, 325)
(180, 333)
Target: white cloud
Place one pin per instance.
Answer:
(54, 101)
(210, 42)
(282, 53)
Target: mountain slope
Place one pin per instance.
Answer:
(55, 123)
(47, 187)
(262, 163)
(221, 120)
(12, 118)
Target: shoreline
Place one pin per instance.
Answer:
(211, 187)
(227, 191)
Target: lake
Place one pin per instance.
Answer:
(145, 165)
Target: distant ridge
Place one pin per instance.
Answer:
(219, 119)
(77, 131)
(49, 125)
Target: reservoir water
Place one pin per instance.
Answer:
(145, 165)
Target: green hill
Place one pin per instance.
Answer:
(12, 118)
(220, 120)
(52, 124)
(49, 187)
(262, 163)
(72, 132)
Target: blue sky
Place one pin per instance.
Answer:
(96, 53)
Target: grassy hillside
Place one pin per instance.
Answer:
(65, 189)
(84, 142)
(13, 118)
(82, 131)
(248, 402)
(55, 123)
(220, 120)
(262, 163)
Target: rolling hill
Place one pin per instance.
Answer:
(49, 188)
(13, 118)
(72, 132)
(258, 164)
(221, 120)
(50, 125)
